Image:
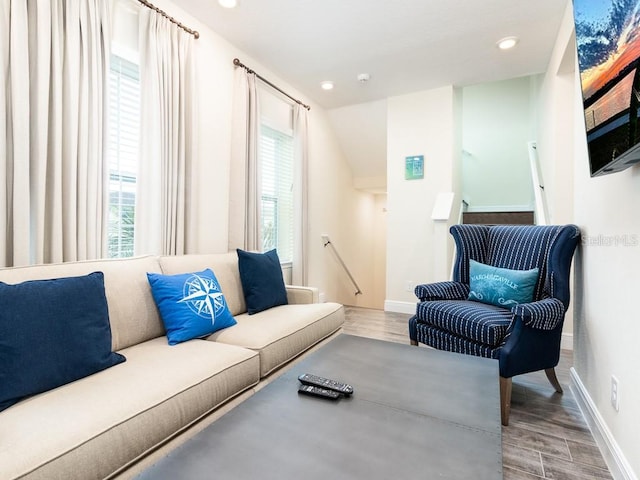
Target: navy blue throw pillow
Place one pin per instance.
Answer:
(262, 281)
(52, 332)
(191, 304)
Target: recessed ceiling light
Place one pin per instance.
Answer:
(327, 85)
(507, 43)
(228, 3)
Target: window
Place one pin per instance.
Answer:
(124, 126)
(276, 162)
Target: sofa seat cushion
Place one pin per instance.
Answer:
(441, 340)
(281, 333)
(479, 322)
(95, 425)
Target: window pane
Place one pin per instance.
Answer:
(269, 223)
(276, 162)
(124, 125)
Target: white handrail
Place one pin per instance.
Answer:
(538, 187)
(464, 206)
(327, 241)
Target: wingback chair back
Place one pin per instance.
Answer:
(520, 247)
(523, 337)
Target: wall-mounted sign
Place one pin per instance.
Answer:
(414, 167)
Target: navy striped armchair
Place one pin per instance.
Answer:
(524, 337)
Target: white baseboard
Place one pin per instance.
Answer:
(616, 461)
(400, 307)
(566, 343)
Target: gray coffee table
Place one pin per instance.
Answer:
(415, 413)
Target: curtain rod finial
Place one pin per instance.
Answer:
(238, 63)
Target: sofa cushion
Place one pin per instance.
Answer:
(96, 425)
(224, 265)
(124, 279)
(281, 333)
(262, 282)
(191, 304)
(479, 322)
(441, 340)
(502, 287)
(52, 332)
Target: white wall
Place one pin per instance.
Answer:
(345, 214)
(606, 281)
(333, 202)
(362, 132)
(556, 124)
(419, 250)
(380, 250)
(497, 123)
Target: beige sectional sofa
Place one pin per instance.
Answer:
(101, 425)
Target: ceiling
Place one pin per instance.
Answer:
(405, 45)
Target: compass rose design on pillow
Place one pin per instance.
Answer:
(204, 297)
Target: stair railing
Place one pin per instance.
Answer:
(541, 211)
(327, 242)
(464, 206)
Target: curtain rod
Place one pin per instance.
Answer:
(195, 33)
(238, 63)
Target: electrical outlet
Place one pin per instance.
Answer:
(615, 394)
(408, 286)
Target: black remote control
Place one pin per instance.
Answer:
(318, 392)
(308, 379)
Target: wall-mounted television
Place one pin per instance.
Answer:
(608, 39)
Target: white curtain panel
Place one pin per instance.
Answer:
(53, 72)
(168, 138)
(244, 175)
(299, 271)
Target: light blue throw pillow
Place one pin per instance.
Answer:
(191, 304)
(501, 286)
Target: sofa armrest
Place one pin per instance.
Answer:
(545, 314)
(442, 291)
(297, 294)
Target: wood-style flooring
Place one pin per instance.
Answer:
(547, 436)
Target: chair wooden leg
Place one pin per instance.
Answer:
(414, 342)
(551, 375)
(505, 399)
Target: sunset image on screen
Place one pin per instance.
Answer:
(608, 34)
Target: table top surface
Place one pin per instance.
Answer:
(415, 413)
